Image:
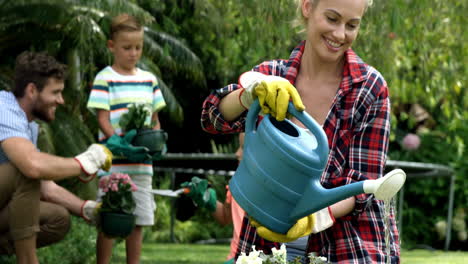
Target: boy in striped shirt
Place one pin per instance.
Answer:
(114, 88)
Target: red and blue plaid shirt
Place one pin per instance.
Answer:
(357, 127)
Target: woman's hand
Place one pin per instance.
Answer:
(273, 93)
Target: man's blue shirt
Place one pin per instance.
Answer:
(14, 123)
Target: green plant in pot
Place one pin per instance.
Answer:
(138, 117)
(116, 212)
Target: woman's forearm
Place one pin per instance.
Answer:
(230, 106)
(343, 207)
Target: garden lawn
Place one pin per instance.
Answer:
(159, 253)
(420, 256)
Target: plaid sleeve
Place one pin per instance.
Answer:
(369, 139)
(99, 96)
(211, 119)
(368, 152)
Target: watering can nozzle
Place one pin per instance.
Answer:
(387, 186)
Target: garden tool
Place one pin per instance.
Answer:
(166, 192)
(278, 180)
(121, 146)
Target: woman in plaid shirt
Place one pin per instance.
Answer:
(350, 99)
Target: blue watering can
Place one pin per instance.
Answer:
(278, 180)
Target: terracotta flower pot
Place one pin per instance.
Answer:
(117, 224)
(154, 140)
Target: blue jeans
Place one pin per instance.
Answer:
(297, 248)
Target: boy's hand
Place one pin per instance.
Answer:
(121, 146)
(201, 194)
(273, 93)
(96, 157)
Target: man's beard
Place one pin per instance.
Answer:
(41, 114)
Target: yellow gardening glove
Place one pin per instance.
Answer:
(303, 227)
(273, 93)
(314, 223)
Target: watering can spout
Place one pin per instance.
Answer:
(316, 197)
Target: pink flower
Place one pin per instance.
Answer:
(114, 187)
(411, 142)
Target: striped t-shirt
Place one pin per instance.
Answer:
(14, 123)
(113, 92)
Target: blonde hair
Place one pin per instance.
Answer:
(300, 21)
(124, 23)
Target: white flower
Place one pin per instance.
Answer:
(252, 258)
(317, 260)
(279, 255)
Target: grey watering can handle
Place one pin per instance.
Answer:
(306, 119)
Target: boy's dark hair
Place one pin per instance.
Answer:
(126, 23)
(37, 68)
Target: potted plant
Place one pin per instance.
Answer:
(116, 212)
(138, 117)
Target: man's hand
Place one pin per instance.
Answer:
(273, 93)
(313, 223)
(121, 146)
(90, 211)
(200, 193)
(96, 157)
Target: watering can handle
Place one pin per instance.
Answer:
(306, 119)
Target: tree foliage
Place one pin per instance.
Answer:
(421, 49)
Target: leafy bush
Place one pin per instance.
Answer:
(422, 61)
(78, 247)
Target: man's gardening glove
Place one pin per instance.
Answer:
(96, 157)
(313, 223)
(200, 193)
(90, 211)
(273, 93)
(121, 146)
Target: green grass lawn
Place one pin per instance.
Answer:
(215, 254)
(177, 254)
(421, 256)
